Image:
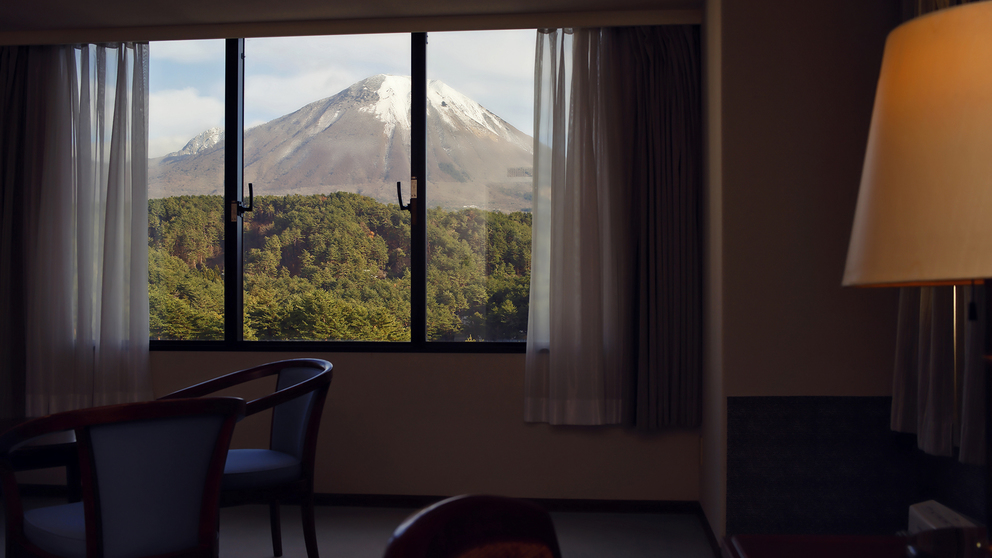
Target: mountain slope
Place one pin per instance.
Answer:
(359, 140)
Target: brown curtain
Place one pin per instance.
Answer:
(660, 92)
(14, 134)
(614, 332)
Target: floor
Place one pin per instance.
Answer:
(359, 532)
(362, 532)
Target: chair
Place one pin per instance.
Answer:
(285, 470)
(150, 476)
(473, 526)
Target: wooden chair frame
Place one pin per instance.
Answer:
(301, 489)
(463, 522)
(79, 421)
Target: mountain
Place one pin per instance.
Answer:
(202, 142)
(359, 141)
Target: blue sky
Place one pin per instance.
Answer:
(186, 80)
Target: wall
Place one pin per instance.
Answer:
(793, 96)
(445, 424)
(798, 88)
(713, 473)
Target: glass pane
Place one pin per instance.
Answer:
(327, 136)
(479, 186)
(186, 189)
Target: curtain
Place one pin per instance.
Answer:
(13, 127)
(79, 167)
(614, 332)
(938, 387)
(938, 382)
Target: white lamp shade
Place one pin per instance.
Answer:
(924, 213)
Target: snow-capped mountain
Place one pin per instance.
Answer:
(203, 141)
(359, 140)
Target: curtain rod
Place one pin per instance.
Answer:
(354, 26)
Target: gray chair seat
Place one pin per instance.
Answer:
(246, 468)
(60, 530)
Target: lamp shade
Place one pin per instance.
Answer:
(924, 212)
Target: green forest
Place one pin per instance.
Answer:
(336, 267)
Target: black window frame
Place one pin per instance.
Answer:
(233, 247)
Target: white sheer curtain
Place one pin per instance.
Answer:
(614, 332)
(83, 173)
(574, 358)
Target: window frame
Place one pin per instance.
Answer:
(233, 231)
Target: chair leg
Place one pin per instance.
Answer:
(276, 531)
(309, 527)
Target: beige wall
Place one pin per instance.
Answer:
(791, 86)
(798, 85)
(445, 424)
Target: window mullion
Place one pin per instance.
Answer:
(234, 86)
(418, 170)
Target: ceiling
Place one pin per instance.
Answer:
(33, 21)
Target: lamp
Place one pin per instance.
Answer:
(924, 212)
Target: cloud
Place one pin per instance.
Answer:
(186, 52)
(269, 96)
(494, 68)
(283, 74)
(291, 55)
(178, 115)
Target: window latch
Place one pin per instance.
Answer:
(399, 196)
(237, 208)
(411, 207)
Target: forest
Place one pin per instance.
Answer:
(336, 267)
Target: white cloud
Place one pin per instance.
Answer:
(269, 96)
(178, 115)
(495, 68)
(285, 73)
(187, 52)
(290, 55)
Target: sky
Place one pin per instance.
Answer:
(186, 78)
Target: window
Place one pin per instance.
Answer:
(327, 254)
(185, 190)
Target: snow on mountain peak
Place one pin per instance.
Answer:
(393, 100)
(442, 96)
(204, 140)
(389, 100)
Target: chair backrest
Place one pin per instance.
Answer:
(297, 402)
(150, 472)
(474, 526)
(292, 420)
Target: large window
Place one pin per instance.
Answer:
(328, 129)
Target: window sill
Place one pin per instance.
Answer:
(342, 346)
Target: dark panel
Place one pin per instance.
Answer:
(830, 465)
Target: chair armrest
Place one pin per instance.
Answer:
(225, 381)
(320, 381)
(247, 375)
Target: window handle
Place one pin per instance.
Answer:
(399, 196)
(412, 206)
(237, 208)
(251, 201)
